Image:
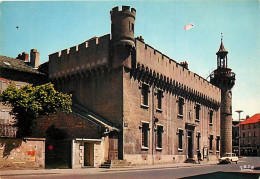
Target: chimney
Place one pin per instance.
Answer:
(247, 116)
(24, 56)
(34, 58)
(185, 65)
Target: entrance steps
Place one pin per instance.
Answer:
(190, 160)
(116, 164)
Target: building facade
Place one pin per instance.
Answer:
(250, 132)
(19, 71)
(235, 137)
(164, 112)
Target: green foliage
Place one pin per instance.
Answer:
(29, 102)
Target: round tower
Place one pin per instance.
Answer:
(224, 78)
(122, 26)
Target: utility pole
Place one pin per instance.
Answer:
(239, 136)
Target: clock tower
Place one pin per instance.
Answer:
(224, 78)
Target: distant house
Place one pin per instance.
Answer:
(19, 71)
(235, 137)
(250, 136)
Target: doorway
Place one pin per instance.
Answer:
(88, 154)
(113, 146)
(190, 146)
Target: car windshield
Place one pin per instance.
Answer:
(227, 155)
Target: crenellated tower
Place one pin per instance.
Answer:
(122, 25)
(122, 32)
(224, 78)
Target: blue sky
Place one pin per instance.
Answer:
(53, 26)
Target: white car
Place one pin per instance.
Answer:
(228, 158)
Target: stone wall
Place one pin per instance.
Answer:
(27, 153)
(73, 125)
(152, 58)
(135, 114)
(93, 52)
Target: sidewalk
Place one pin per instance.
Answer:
(100, 170)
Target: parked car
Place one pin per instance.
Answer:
(228, 158)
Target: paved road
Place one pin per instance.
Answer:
(160, 173)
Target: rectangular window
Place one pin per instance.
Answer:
(145, 92)
(210, 117)
(180, 107)
(243, 127)
(249, 134)
(244, 134)
(249, 126)
(197, 112)
(145, 131)
(159, 99)
(159, 137)
(254, 125)
(254, 134)
(210, 142)
(198, 141)
(180, 138)
(218, 139)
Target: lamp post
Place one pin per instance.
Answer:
(239, 111)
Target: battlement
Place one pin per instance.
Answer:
(90, 53)
(125, 10)
(163, 65)
(91, 42)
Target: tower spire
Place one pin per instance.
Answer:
(222, 55)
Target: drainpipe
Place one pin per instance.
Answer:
(153, 142)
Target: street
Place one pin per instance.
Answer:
(153, 173)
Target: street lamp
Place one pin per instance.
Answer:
(239, 111)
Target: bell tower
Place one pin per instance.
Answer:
(224, 78)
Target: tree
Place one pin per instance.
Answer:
(30, 102)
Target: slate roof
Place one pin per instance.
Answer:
(16, 64)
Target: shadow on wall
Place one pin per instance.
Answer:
(55, 133)
(9, 144)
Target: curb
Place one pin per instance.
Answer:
(94, 170)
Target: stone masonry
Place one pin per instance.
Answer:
(133, 85)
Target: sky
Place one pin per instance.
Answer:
(51, 26)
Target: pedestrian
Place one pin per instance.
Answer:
(199, 157)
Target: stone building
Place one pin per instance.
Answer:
(164, 113)
(235, 137)
(19, 71)
(250, 132)
(18, 153)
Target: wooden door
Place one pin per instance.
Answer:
(113, 149)
(88, 154)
